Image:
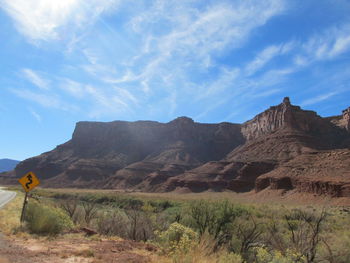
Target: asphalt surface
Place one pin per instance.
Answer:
(5, 197)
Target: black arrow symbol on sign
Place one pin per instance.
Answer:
(30, 180)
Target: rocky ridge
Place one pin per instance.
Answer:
(283, 147)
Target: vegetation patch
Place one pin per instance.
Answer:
(46, 220)
(195, 230)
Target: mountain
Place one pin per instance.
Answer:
(7, 165)
(284, 147)
(127, 154)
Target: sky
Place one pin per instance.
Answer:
(64, 61)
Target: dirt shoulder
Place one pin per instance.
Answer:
(73, 248)
(11, 253)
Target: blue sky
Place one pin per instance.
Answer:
(63, 61)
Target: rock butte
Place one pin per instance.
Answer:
(283, 147)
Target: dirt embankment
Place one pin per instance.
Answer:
(73, 248)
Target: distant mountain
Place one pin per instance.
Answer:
(284, 147)
(7, 165)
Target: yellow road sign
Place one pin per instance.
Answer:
(29, 181)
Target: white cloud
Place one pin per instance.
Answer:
(126, 95)
(36, 79)
(225, 80)
(175, 43)
(300, 61)
(35, 115)
(200, 32)
(266, 56)
(45, 100)
(211, 107)
(53, 19)
(104, 102)
(319, 98)
(74, 88)
(328, 45)
(127, 77)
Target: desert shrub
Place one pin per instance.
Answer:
(177, 239)
(79, 216)
(113, 223)
(199, 250)
(247, 234)
(300, 231)
(336, 247)
(90, 211)
(69, 206)
(229, 257)
(140, 225)
(165, 218)
(265, 256)
(215, 218)
(46, 220)
(148, 207)
(129, 224)
(161, 205)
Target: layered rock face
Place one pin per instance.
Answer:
(277, 141)
(311, 152)
(124, 154)
(326, 172)
(283, 147)
(275, 118)
(342, 121)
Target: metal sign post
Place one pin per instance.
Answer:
(24, 207)
(28, 182)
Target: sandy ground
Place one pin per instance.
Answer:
(72, 249)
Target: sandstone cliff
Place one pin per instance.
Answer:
(122, 154)
(274, 139)
(283, 147)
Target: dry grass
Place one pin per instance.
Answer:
(201, 253)
(10, 214)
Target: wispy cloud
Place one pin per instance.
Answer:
(226, 79)
(165, 54)
(126, 95)
(45, 100)
(179, 40)
(318, 98)
(105, 102)
(35, 115)
(266, 56)
(196, 35)
(331, 43)
(72, 87)
(51, 20)
(35, 79)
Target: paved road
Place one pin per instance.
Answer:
(5, 197)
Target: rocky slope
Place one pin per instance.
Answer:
(283, 147)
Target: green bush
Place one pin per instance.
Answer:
(113, 223)
(216, 218)
(177, 239)
(46, 220)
